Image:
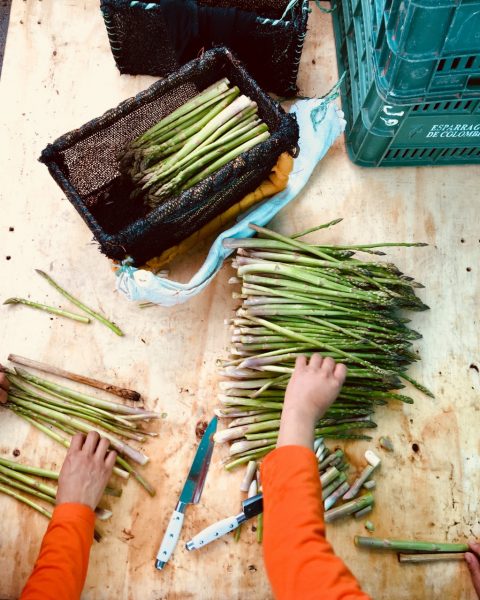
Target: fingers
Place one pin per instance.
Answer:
(102, 448)
(474, 568)
(110, 460)
(91, 442)
(4, 385)
(475, 547)
(316, 361)
(328, 365)
(301, 362)
(77, 442)
(340, 372)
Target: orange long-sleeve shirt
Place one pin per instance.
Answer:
(300, 563)
(61, 567)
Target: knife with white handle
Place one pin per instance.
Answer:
(251, 507)
(192, 490)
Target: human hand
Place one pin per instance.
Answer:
(473, 562)
(86, 470)
(4, 386)
(312, 388)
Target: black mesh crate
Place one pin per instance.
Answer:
(84, 163)
(155, 38)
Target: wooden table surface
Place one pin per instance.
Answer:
(58, 73)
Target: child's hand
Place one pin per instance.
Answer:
(86, 470)
(313, 387)
(473, 562)
(4, 385)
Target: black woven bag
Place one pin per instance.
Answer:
(84, 163)
(154, 38)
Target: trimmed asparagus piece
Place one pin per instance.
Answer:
(408, 545)
(49, 309)
(80, 305)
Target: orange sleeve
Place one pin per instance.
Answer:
(61, 567)
(300, 563)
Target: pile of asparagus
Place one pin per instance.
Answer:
(300, 298)
(60, 412)
(192, 142)
(17, 479)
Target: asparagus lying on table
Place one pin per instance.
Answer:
(192, 142)
(56, 410)
(300, 298)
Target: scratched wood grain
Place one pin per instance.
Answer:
(58, 73)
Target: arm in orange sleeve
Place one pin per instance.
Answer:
(300, 563)
(61, 567)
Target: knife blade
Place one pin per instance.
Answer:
(191, 493)
(250, 508)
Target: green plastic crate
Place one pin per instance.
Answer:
(379, 133)
(424, 48)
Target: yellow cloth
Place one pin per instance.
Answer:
(276, 182)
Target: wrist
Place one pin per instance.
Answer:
(308, 412)
(297, 428)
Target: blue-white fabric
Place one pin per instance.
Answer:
(320, 123)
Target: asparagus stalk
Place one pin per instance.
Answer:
(199, 100)
(24, 488)
(124, 474)
(124, 393)
(117, 444)
(5, 490)
(408, 545)
(16, 466)
(249, 475)
(81, 397)
(49, 309)
(428, 558)
(348, 508)
(80, 305)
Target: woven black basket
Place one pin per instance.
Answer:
(154, 38)
(84, 163)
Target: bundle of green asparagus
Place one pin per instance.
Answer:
(299, 298)
(18, 479)
(57, 410)
(192, 142)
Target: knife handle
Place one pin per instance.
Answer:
(171, 536)
(213, 532)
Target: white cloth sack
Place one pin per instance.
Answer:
(320, 123)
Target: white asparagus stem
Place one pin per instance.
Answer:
(325, 463)
(267, 416)
(329, 476)
(244, 445)
(363, 512)
(227, 435)
(253, 488)
(224, 413)
(373, 463)
(249, 475)
(322, 455)
(337, 494)
(336, 483)
(427, 558)
(347, 509)
(317, 443)
(103, 514)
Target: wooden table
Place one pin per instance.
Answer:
(59, 73)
